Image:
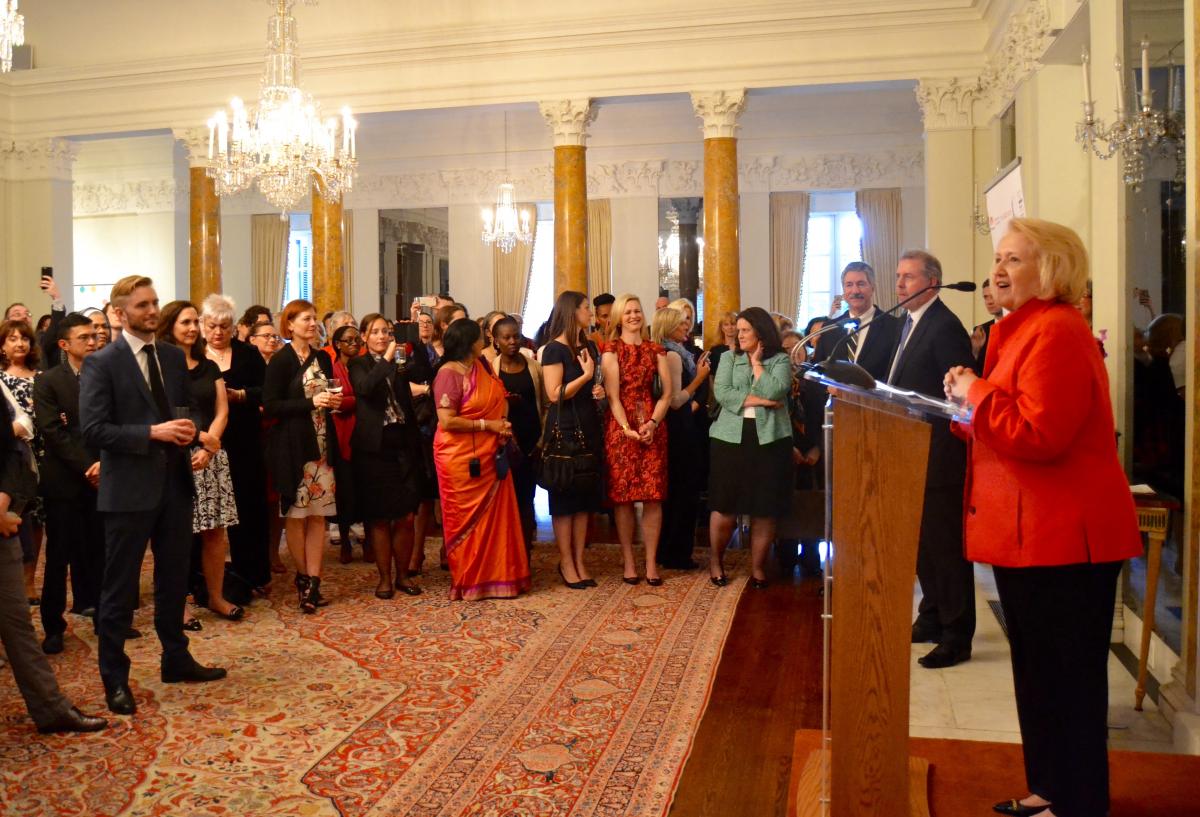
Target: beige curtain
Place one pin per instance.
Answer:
(879, 211)
(510, 271)
(348, 259)
(599, 241)
(268, 258)
(789, 235)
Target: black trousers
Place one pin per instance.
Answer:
(525, 486)
(684, 471)
(74, 542)
(947, 578)
(168, 528)
(249, 550)
(1059, 623)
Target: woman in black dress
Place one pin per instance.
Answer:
(302, 446)
(522, 379)
(214, 508)
(389, 464)
(569, 371)
(243, 369)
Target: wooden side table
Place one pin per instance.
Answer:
(1154, 516)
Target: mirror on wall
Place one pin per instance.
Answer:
(414, 256)
(681, 248)
(1157, 294)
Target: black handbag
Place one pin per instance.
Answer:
(566, 463)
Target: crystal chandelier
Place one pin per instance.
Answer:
(1138, 135)
(12, 33)
(283, 143)
(504, 225)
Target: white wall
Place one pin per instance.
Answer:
(470, 261)
(754, 249)
(634, 247)
(236, 277)
(107, 248)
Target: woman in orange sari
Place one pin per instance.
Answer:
(480, 519)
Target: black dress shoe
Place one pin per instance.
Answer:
(86, 612)
(943, 655)
(52, 644)
(589, 582)
(923, 633)
(409, 589)
(719, 581)
(759, 584)
(655, 582)
(132, 633)
(193, 625)
(120, 700)
(1015, 808)
(385, 594)
(195, 674)
(73, 721)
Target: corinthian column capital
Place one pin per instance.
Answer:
(719, 111)
(947, 104)
(195, 140)
(37, 159)
(569, 119)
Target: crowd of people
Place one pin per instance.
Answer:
(210, 438)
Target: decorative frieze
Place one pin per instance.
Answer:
(37, 159)
(1026, 37)
(118, 198)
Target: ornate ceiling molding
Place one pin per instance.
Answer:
(719, 111)
(38, 159)
(121, 198)
(1026, 37)
(947, 104)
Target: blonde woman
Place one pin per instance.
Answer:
(686, 432)
(635, 439)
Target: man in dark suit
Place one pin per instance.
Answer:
(129, 392)
(932, 341)
(70, 473)
(982, 333)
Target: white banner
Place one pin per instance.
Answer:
(1005, 200)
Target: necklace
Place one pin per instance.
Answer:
(222, 358)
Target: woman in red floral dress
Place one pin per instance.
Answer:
(635, 438)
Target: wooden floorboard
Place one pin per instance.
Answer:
(768, 685)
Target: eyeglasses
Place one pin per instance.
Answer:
(267, 336)
(86, 338)
(351, 341)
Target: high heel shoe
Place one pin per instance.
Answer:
(235, 613)
(655, 582)
(631, 579)
(301, 581)
(308, 604)
(572, 585)
(758, 584)
(719, 581)
(589, 582)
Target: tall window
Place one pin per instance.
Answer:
(539, 297)
(298, 284)
(834, 240)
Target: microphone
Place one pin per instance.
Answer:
(854, 374)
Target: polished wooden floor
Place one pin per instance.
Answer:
(768, 685)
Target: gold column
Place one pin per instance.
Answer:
(204, 236)
(569, 119)
(328, 259)
(722, 278)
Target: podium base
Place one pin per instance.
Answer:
(807, 800)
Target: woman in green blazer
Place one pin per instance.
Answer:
(751, 469)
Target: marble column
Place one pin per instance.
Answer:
(204, 235)
(719, 111)
(36, 219)
(328, 261)
(569, 119)
(689, 251)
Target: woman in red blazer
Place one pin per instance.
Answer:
(1048, 505)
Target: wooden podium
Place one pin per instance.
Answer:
(878, 446)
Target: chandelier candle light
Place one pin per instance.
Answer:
(504, 225)
(12, 33)
(283, 143)
(1138, 135)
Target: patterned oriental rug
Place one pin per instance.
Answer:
(561, 702)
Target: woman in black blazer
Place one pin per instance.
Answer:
(389, 464)
(300, 392)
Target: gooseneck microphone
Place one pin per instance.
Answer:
(852, 373)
